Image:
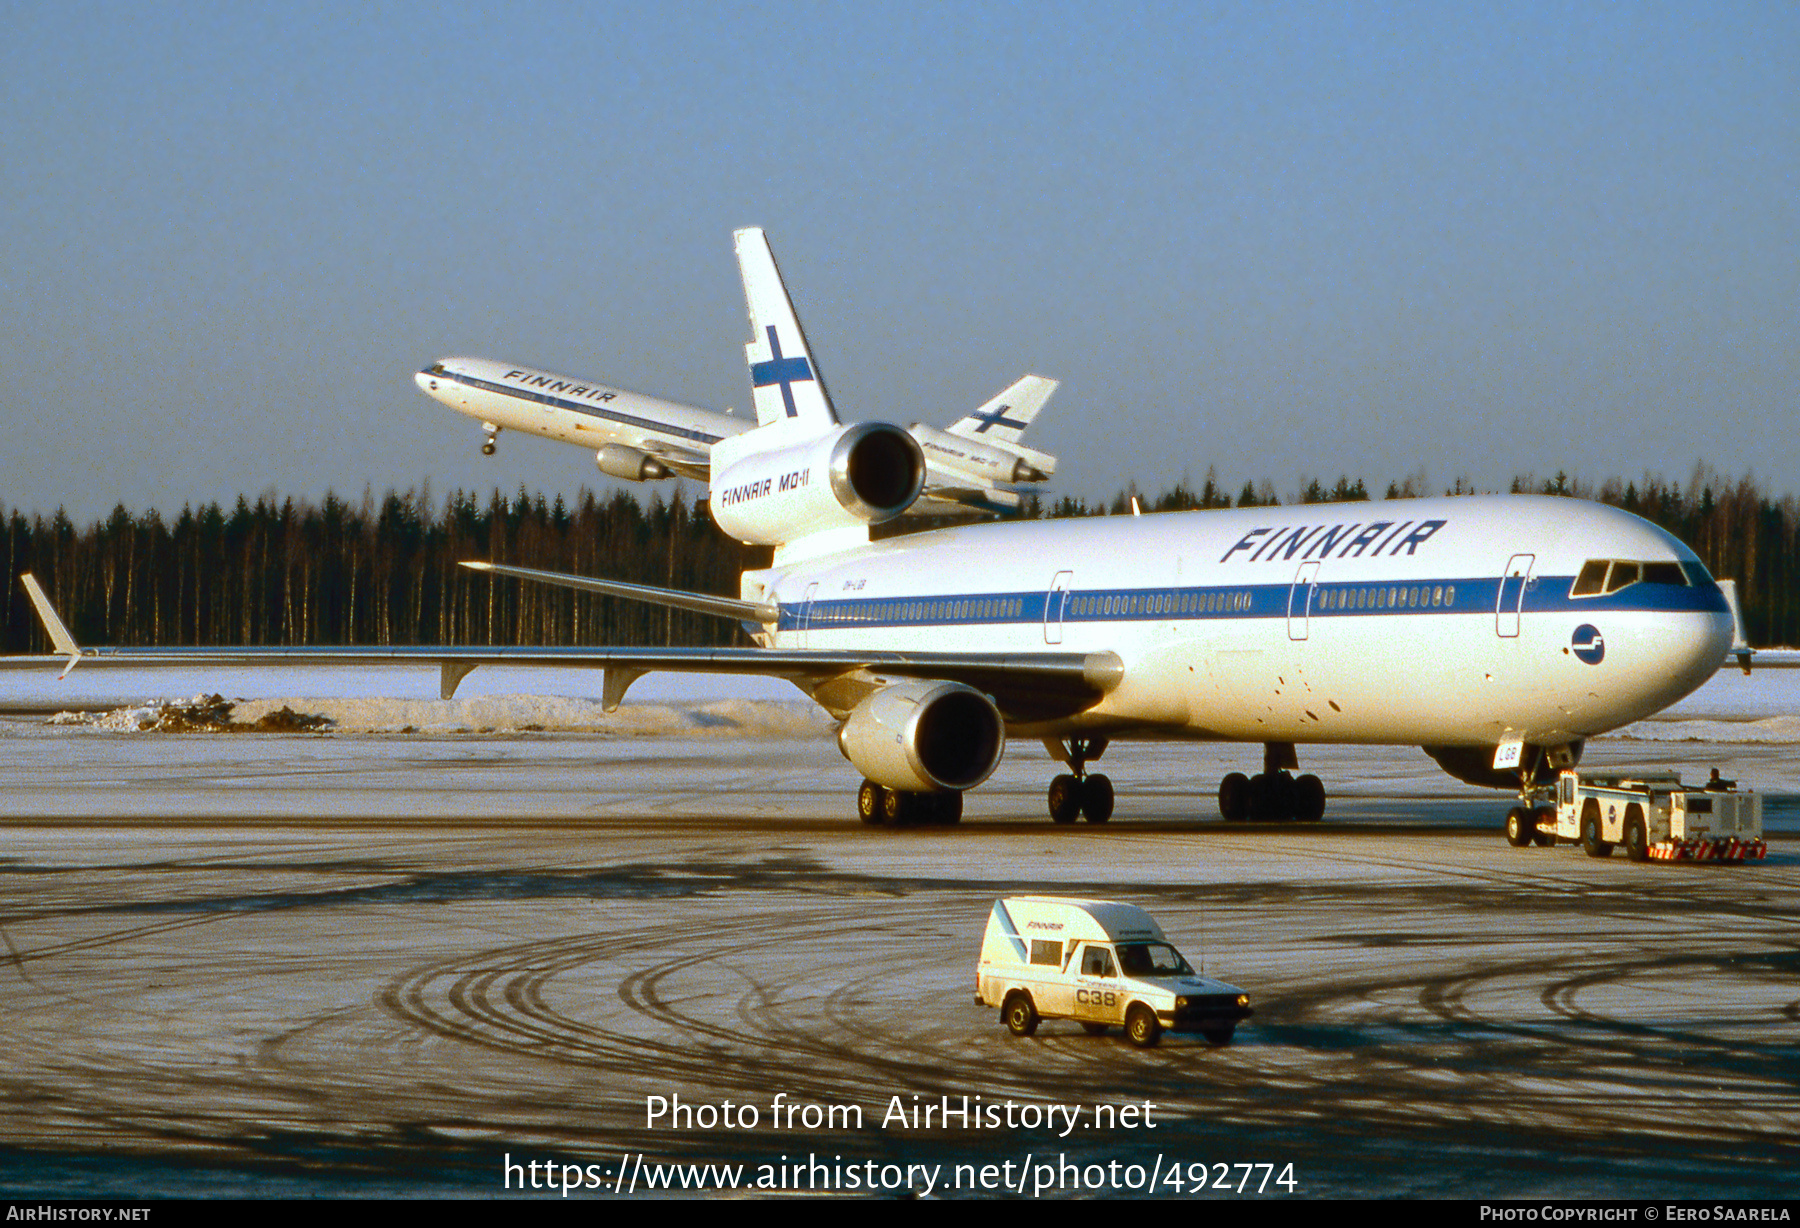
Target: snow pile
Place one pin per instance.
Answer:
(478, 714)
(1774, 730)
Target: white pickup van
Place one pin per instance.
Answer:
(1102, 964)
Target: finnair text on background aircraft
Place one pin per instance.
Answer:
(973, 466)
(1498, 633)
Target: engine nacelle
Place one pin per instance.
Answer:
(864, 473)
(982, 460)
(618, 461)
(925, 736)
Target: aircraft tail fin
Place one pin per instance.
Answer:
(53, 626)
(785, 383)
(1004, 419)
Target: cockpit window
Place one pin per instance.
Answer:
(1592, 579)
(1610, 575)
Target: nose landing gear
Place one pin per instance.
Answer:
(493, 432)
(1075, 793)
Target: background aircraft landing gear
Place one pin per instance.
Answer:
(1273, 794)
(493, 432)
(1076, 793)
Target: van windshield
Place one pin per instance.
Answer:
(1152, 959)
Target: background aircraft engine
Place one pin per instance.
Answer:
(618, 461)
(978, 459)
(864, 473)
(924, 736)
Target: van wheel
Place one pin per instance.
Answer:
(1637, 844)
(1094, 1029)
(1218, 1038)
(1020, 1015)
(1141, 1027)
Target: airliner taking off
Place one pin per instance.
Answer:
(974, 466)
(1497, 633)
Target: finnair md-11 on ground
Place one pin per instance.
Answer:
(1497, 633)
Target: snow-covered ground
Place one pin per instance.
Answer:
(1762, 708)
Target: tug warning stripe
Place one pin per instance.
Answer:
(1710, 850)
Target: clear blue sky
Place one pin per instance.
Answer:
(1288, 241)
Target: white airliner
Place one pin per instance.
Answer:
(1497, 633)
(974, 466)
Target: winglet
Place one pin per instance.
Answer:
(784, 382)
(53, 626)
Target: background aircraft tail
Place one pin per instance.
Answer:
(785, 383)
(1003, 419)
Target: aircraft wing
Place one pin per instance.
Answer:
(1030, 686)
(1025, 686)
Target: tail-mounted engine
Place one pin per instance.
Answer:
(861, 474)
(924, 736)
(980, 460)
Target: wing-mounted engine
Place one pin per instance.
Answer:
(616, 460)
(924, 736)
(849, 477)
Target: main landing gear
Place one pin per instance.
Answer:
(879, 806)
(1075, 792)
(1274, 794)
(493, 433)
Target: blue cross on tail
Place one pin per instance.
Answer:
(784, 371)
(997, 418)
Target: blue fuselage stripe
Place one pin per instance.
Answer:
(578, 407)
(1547, 594)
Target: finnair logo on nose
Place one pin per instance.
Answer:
(1588, 644)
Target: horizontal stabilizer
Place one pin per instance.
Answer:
(53, 626)
(704, 603)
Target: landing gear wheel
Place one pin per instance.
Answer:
(1097, 798)
(487, 449)
(1234, 797)
(899, 808)
(1309, 799)
(1591, 842)
(1637, 845)
(1020, 1015)
(1065, 799)
(1141, 1027)
(1519, 827)
(1544, 833)
(869, 800)
(946, 809)
(1094, 1029)
(1218, 1038)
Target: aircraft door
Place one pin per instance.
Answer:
(803, 624)
(1055, 602)
(1300, 600)
(1513, 583)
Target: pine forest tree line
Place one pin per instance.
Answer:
(286, 571)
